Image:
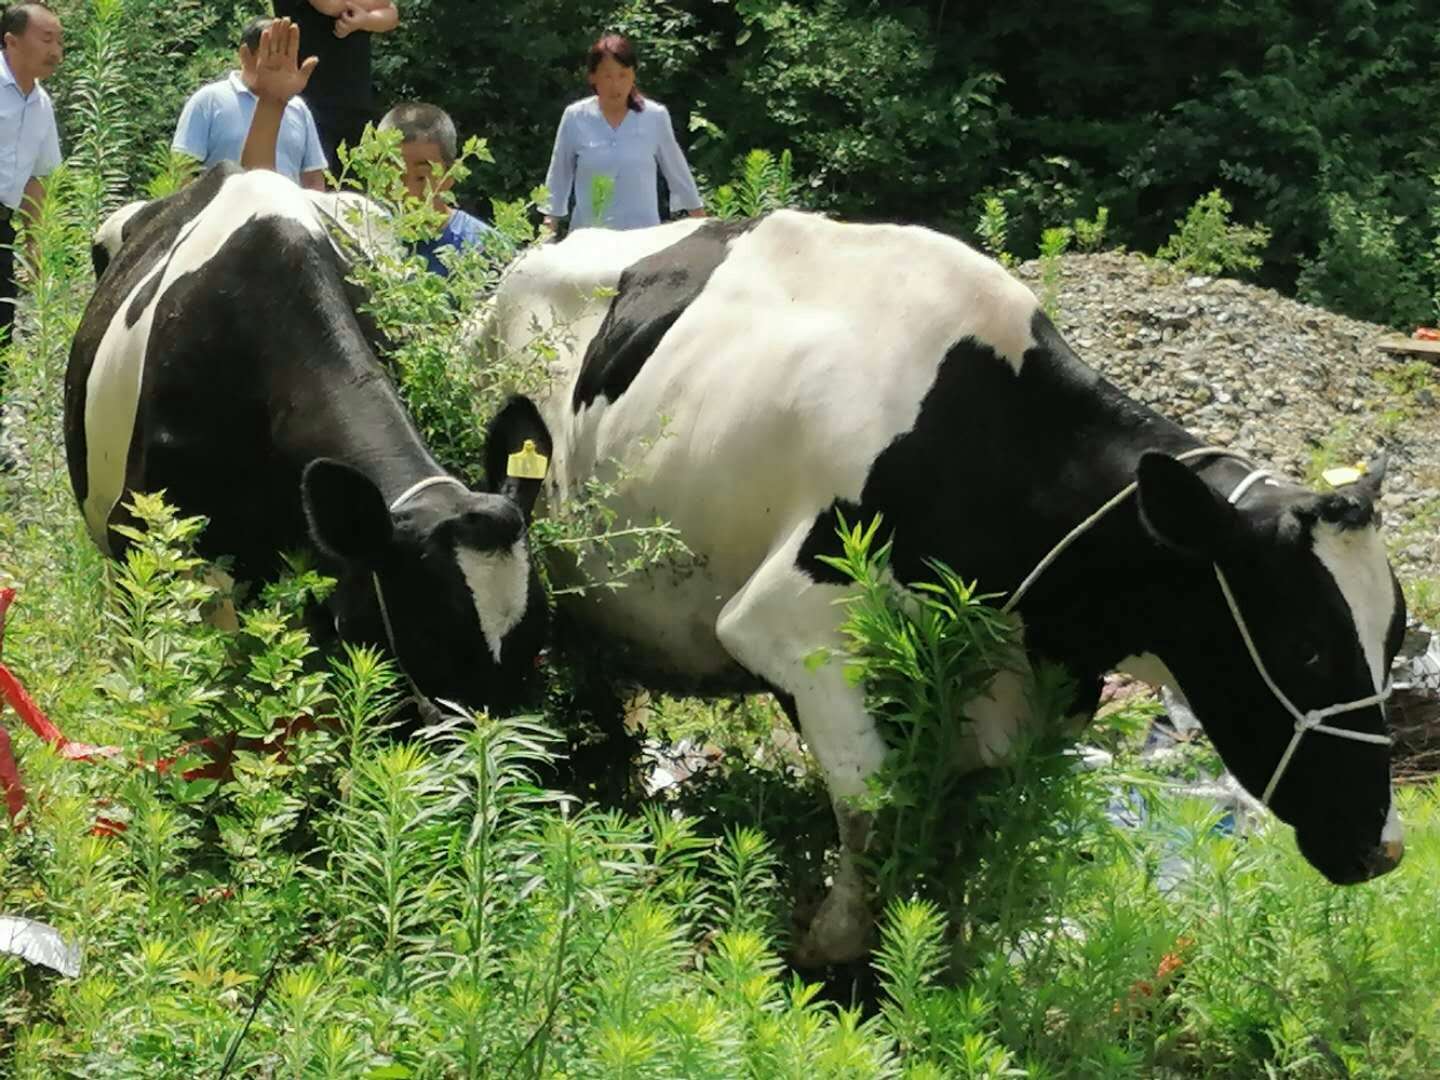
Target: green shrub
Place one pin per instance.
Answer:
(1090, 235)
(1053, 244)
(130, 65)
(1046, 189)
(1363, 267)
(764, 183)
(993, 228)
(1207, 242)
(427, 326)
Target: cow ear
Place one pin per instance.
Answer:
(347, 514)
(519, 422)
(1182, 511)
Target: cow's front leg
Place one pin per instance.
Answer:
(770, 626)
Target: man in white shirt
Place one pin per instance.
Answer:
(214, 121)
(29, 141)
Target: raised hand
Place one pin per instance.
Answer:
(273, 71)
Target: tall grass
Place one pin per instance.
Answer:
(348, 905)
(429, 909)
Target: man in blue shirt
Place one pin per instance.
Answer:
(429, 141)
(214, 121)
(29, 142)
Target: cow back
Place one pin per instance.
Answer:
(223, 311)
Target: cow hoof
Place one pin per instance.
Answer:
(839, 933)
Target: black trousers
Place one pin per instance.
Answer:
(337, 124)
(9, 290)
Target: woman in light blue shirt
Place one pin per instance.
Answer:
(622, 135)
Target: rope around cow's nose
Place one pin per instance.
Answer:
(1305, 722)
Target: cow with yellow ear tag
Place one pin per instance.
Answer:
(802, 370)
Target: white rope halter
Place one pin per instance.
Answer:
(1313, 720)
(400, 500)
(415, 489)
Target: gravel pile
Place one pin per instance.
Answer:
(1283, 382)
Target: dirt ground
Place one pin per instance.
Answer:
(1415, 723)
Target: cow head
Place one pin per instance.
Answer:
(1310, 580)
(443, 580)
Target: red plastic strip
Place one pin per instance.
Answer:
(39, 723)
(7, 597)
(105, 826)
(10, 777)
(79, 751)
(9, 770)
(22, 703)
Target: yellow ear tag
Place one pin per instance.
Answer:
(1346, 474)
(528, 463)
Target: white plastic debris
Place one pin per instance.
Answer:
(670, 764)
(1182, 717)
(1416, 670)
(38, 943)
(1091, 758)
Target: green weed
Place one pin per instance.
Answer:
(1207, 242)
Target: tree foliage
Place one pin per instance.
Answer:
(1315, 122)
(920, 111)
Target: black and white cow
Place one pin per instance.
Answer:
(221, 359)
(754, 379)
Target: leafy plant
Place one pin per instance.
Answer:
(1339, 446)
(129, 67)
(101, 100)
(1053, 244)
(1422, 598)
(426, 323)
(602, 194)
(993, 227)
(170, 171)
(430, 328)
(1090, 234)
(1207, 242)
(764, 183)
(1362, 266)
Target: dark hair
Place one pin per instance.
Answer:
(250, 36)
(17, 18)
(618, 48)
(418, 121)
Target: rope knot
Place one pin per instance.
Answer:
(1310, 720)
